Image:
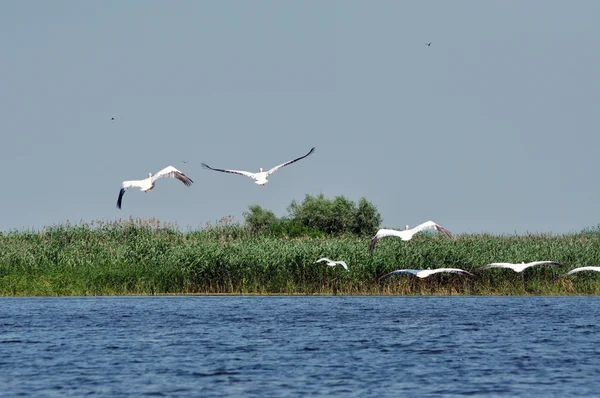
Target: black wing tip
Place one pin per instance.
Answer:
(372, 244)
(185, 179)
(205, 166)
(119, 201)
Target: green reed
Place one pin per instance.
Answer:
(150, 257)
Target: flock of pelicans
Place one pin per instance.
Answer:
(406, 235)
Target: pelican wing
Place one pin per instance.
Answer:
(382, 233)
(574, 271)
(240, 172)
(373, 242)
(274, 169)
(534, 263)
(121, 193)
(322, 259)
(343, 264)
(125, 186)
(172, 172)
(400, 271)
(427, 272)
(432, 225)
(498, 265)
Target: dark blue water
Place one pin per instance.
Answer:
(300, 346)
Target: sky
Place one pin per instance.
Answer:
(492, 128)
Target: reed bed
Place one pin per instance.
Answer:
(145, 257)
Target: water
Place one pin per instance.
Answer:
(300, 346)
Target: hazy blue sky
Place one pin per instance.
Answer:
(493, 128)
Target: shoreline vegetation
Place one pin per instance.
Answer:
(267, 255)
(148, 257)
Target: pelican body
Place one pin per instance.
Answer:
(147, 184)
(523, 266)
(424, 273)
(407, 233)
(259, 178)
(332, 263)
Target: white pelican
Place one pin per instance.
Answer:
(259, 178)
(424, 273)
(521, 267)
(332, 263)
(148, 183)
(574, 271)
(407, 234)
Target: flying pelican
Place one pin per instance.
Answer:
(332, 263)
(574, 271)
(148, 183)
(426, 272)
(407, 233)
(259, 178)
(521, 267)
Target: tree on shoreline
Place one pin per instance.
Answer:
(318, 216)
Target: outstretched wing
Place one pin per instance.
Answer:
(432, 225)
(498, 265)
(382, 233)
(274, 169)
(426, 273)
(172, 172)
(400, 271)
(534, 263)
(322, 259)
(125, 186)
(343, 264)
(574, 271)
(240, 172)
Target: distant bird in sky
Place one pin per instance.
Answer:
(184, 161)
(521, 267)
(148, 183)
(428, 44)
(407, 233)
(112, 118)
(580, 269)
(332, 263)
(426, 272)
(259, 178)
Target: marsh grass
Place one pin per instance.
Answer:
(150, 257)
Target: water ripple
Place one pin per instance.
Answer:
(299, 346)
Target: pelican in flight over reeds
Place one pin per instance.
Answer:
(259, 178)
(148, 183)
(407, 233)
(523, 266)
(424, 273)
(576, 270)
(332, 263)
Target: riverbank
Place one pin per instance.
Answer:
(145, 257)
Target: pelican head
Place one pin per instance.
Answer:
(406, 227)
(149, 175)
(261, 169)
